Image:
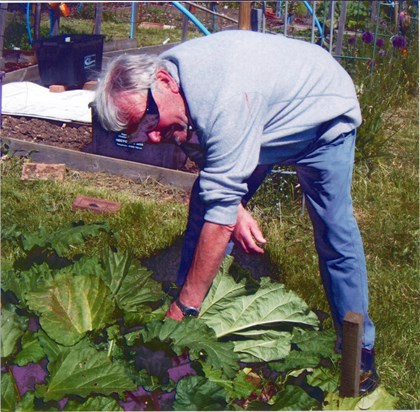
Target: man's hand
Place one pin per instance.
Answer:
(174, 312)
(247, 232)
(206, 263)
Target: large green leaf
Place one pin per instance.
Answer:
(198, 338)
(271, 345)
(240, 387)
(11, 401)
(294, 398)
(83, 372)
(271, 304)
(130, 283)
(320, 342)
(13, 327)
(231, 308)
(224, 287)
(325, 378)
(297, 360)
(196, 393)
(69, 306)
(312, 347)
(8, 392)
(20, 283)
(98, 403)
(51, 348)
(31, 350)
(62, 239)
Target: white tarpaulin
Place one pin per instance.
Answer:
(32, 100)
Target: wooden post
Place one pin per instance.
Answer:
(341, 28)
(351, 355)
(99, 8)
(396, 14)
(245, 15)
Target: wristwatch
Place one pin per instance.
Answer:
(188, 311)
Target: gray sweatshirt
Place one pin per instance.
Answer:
(258, 99)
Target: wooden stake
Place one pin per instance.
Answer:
(245, 15)
(351, 356)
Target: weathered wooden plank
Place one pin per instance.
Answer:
(94, 163)
(351, 355)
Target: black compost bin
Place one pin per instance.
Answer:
(69, 59)
(114, 144)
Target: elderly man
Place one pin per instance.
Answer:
(244, 101)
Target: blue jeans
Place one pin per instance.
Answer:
(325, 175)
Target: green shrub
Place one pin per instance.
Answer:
(15, 33)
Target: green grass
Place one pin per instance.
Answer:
(150, 218)
(387, 208)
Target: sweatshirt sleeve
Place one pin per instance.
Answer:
(233, 145)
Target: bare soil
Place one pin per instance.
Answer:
(69, 136)
(66, 135)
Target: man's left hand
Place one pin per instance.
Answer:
(247, 232)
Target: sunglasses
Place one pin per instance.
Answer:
(138, 132)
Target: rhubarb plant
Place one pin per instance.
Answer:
(86, 332)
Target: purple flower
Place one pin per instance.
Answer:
(380, 43)
(351, 40)
(399, 42)
(367, 37)
(381, 52)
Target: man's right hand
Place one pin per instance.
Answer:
(174, 312)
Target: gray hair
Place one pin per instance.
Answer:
(125, 74)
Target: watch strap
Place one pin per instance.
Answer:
(188, 311)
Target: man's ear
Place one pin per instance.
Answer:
(167, 80)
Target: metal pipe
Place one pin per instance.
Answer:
(263, 15)
(132, 20)
(332, 9)
(313, 22)
(191, 16)
(28, 21)
(375, 37)
(214, 13)
(312, 12)
(286, 17)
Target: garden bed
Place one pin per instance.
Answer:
(72, 136)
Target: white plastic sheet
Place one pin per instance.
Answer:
(32, 100)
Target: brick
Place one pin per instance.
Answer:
(58, 88)
(151, 25)
(90, 85)
(43, 171)
(95, 205)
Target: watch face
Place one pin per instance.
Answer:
(190, 312)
